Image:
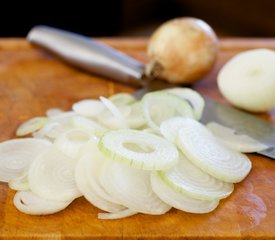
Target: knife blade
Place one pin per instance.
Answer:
(92, 56)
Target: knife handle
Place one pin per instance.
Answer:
(88, 54)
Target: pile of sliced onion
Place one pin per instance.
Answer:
(125, 156)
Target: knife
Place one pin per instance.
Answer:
(97, 58)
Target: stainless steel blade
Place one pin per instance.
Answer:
(94, 57)
(242, 122)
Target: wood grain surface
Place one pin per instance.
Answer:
(32, 80)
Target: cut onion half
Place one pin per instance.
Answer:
(51, 176)
(16, 155)
(202, 148)
(192, 181)
(159, 106)
(29, 203)
(139, 149)
(179, 200)
(247, 80)
(241, 143)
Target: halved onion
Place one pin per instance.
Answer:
(29, 203)
(240, 143)
(16, 155)
(180, 200)
(206, 152)
(139, 149)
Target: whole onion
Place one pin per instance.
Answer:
(182, 50)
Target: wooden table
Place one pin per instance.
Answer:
(32, 80)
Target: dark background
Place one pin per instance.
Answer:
(244, 18)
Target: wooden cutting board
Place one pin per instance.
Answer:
(32, 80)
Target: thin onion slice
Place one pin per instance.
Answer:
(20, 183)
(30, 126)
(139, 149)
(51, 176)
(71, 141)
(179, 200)
(121, 99)
(190, 180)
(115, 111)
(91, 190)
(160, 106)
(117, 215)
(88, 125)
(202, 148)
(88, 107)
(193, 97)
(131, 187)
(16, 156)
(29, 203)
(135, 118)
(241, 143)
(52, 112)
(170, 128)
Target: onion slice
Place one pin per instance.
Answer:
(88, 125)
(159, 106)
(131, 187)
(20, 183)
(202, 148)
(190, 180)
(179, 200)
(87, 167)
(16, 156)
(88, 107)
(71, 141)
(117, 215)
(193, 97)
(31, 126)
(241, 143)
(115, 111)
(51, 176)
(29, 203)
(139, 149)
(121, 99)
